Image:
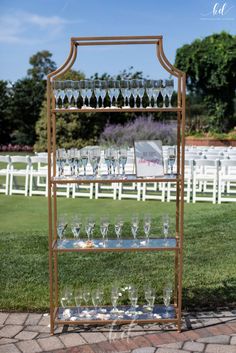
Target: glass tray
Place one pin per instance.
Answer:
(115, 245)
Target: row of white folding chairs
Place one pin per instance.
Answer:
(201, 176)
(30, 169)
(208, 180)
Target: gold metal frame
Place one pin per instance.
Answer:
(75, 43)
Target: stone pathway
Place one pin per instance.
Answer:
(206, 332)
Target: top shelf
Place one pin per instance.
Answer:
(115, 110)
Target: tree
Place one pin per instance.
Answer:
(5, 112)
(42, 65)
(28, 96)
(210, 65)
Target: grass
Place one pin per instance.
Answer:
(209, 253)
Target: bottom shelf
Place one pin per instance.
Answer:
(123, 315)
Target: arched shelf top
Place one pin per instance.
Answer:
(118, 40)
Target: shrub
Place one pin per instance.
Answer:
(142, 128)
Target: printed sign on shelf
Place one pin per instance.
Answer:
(149, 158)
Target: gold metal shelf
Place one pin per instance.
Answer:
(116, 110)
(154, 244)
(56, 314)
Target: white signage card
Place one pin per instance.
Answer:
(149, 158)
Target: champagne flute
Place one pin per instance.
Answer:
(166, 298)
(114, 91)
(86, 297)
(95, 300)
(66, 296)
(78, 162)
(88, 228)
(61, 227)
(66, 302)
(110, 91)
(84, 158)
(60, 160)
(62, 92)
(104, 224)
(166, 225)
(75, 91)
(141, 90)
(107, 158)
(89, 84)
(97, 91)
(69, 92)
(83, 92)
(149, 294)
(133, 297)
(114, 159)
(149, 90)
(134, 90)
(114, 299)
(126, 87)
(56, 92)
(118, 229)
(76, 227)
(71, 160)
(147, 226)
(171, 153)
(134, 229)
(78, 296)
(103, 91)
(156, 90)
(169, 90)
(100, 294)
(123, 159)
(94, 158)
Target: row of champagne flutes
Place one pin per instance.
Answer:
(113, 89)
(77, 160)
(115, 159)
(89, 303)
(140, 229)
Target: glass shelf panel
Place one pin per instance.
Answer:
(115, 110)
(123, 314)
(115, 179)
(115, 245)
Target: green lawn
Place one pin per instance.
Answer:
(209, 253)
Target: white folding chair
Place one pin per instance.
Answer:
(205, 174)
(82, 190)
(5, 162)
(40, 181)
(38, 170)
(188, 178)
(130, 190)
(227, 181)
(153, 191)
(19, 169)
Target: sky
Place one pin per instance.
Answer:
(29, 26)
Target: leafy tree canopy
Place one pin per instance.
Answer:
(42, 65)
(5, 112)
(210, 65)
(27, 99)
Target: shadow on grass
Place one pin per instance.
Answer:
(206, 298)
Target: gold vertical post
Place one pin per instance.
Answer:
(183, 89)
(50, 207)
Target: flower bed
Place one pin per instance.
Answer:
(16, 148)
(191, 141)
